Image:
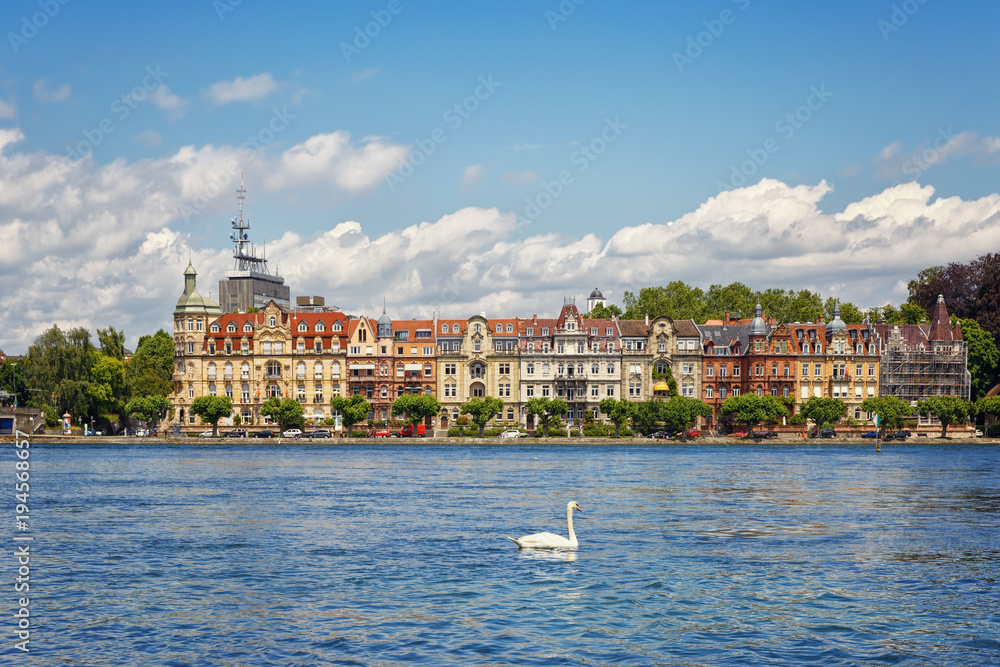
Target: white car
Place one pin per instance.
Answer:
(292, 433)
(511, 433)
(205, 434)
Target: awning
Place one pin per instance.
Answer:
(363, 366)
(661, 386)
(413, 367)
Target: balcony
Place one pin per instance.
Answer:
(272, 376)
(571, 377)
(449, 353)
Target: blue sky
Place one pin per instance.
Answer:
(834, 131)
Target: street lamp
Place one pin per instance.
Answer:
(79, 421)
(14, 366)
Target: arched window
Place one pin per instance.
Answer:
(245, 371)
(336, 326)
(611, 368)
(444, 328)
(272, 321)
(229, 370)
(510, 328)
(595, 368)
(335, 369)
(477, 328)
(211, 389)
(318, 370)
(530, 369)
(499, 328)
(545, 369)
(560, 369)
(454, 328)
(300, 371)
(320, 326)
(579, 368)
(211, 370)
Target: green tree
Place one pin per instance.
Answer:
(735, 298)
(59, 364)
(416, 407)
(751, 409)
(911, 314)
(546, 409)
(107, 386)
(211, 409)
(676, 300)
(619, 411)
(604, 312)
(112, 343)
(647, 416)
(680, 412)
(150, 370)
(948, 410)
(481, 410)
(984, 357)
(849, 313)
(12, 381)
(823, 410)
(890, 410)
(352, 410)
(287, 412)
(150, 409)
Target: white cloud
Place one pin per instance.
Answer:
(43, 94)
(521, 177)
(7, 110)
(894, 162)
(149, 138)
(242, 90)
(332, 158)
(472, 176)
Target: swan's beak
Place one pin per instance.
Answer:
(577, 508)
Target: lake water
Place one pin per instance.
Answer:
(393, 555)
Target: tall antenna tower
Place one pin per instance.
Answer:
(244, 253)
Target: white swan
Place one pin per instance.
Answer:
(550, 540)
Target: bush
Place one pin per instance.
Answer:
(797, 420)
(595, 430)
(993, 431)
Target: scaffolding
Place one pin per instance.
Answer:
(912, 375)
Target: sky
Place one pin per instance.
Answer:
(454, 158)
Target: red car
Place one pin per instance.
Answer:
(381, 433)
(690, 433)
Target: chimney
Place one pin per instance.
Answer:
(534, 319)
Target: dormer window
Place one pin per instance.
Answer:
(231, 328)
(499, 328)
(248, 328)
(510, 328)
(272, 321)
(545, 331)
(336, 326)
(303, 326)
(444, 328)
(215, 327)
(320, 326)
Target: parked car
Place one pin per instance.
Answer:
(765, 434)
(662, 435)
(320, 433)
(381, 433)
(292, 433)
(690, 433)
(870, 434)
(264, 434)
(237, 433)
(511, 433)
(979, 433)
(203, 434)
(898, 435)
(828, 433)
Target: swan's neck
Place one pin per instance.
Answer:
(569, 522)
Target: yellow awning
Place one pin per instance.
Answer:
(661, 386)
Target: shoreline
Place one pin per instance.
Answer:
(209, 442)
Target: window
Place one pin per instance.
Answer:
(211, 348)
(245, 392)
(709, 371)
(510, 411)
(687, 389)
(449, 369)
(736, 371)
(545, 369)
(805, 348)
(428, 351)
(265, 347)
(722, 393)
(211, 371)
(610, 390)
(300, 346)
(595, 368)
(663, 346)
(273, 369)
(229, 347)
(477, 371)
(504, 369)
(229, 371)
(229, 391)
(245, 371)
(579, 347)
(560, 369)
(215, 327)
(211, 389)
(505, 389)
(531, 331)
(300, 371)
(545, 331)
(545, 390)
(303, 326)
(478, 391)
(510, 328)
(335, 369)
(819, 370)
(530, 390)
(787, 369)
(760, 391)
(722, 371)
(529, 369)
(444, 328)
(736, 391)
(871, 370)
(248, 328)
(272, 321)
(318, 345)
(560, 347)
(805, 369)
(709, 392)
(594, 391)
(190, 347)
(611, 368)
(244, 347)
(499, 328)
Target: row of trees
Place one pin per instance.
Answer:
(678, 300)
(64, 371)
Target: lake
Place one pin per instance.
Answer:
(390, 555)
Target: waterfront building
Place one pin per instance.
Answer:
(477, 357)
(923, 360)
(723, 344)
(575, 359)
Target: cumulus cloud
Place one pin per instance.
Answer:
(242, 90)
(44, 94)
(894, 162)
(92, 245)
